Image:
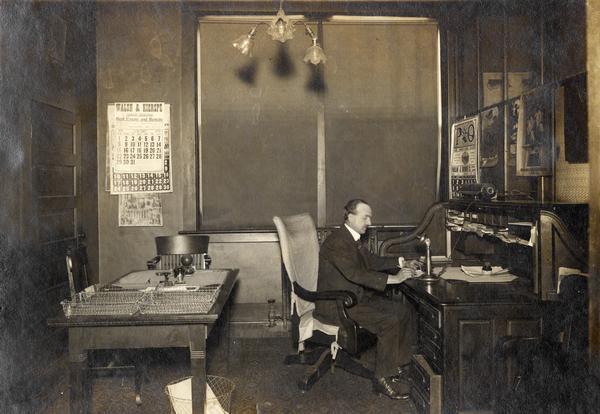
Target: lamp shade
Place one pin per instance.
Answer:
(244, 44)
(315, 55)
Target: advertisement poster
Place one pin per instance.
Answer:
(534, 143)
(491, 147)
(140, 210)
(464, 151)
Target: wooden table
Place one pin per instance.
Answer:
(141, 331)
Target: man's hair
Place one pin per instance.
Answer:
(351, 205)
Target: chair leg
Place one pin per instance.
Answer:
(316, 370)
(353, 366)
(305, 357)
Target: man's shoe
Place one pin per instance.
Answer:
(402, 375)
(381, 386)
(403, 369)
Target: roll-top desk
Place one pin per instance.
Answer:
(460, 323)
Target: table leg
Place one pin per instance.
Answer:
(79, 385)
(197, 338)
(226, 315)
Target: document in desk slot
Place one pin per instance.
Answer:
(129, 302)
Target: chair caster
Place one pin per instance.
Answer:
(138, 399)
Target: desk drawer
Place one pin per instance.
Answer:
(419, 400)
(430, 314)
(426, 389)
(433, 355)
(428, 333)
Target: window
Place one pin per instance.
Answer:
(271, 143)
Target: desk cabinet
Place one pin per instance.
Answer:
(459, 326)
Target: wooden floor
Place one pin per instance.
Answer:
(263, 384)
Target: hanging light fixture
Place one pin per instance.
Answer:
(314, 54)
(245, 43)
(281, 29)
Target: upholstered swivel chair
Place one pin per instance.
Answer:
(335, 345)
(550, 373)
(170, 249)
(101, 362)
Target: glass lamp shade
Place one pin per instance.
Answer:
(281, 28)
(244, 44)
(315, 54)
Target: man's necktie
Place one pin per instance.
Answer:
(363, 261)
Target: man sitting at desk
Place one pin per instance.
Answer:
(345, 265)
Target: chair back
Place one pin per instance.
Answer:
(171, 248)
(300, 254)
(76, 259)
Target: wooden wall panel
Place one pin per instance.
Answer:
(593, 67)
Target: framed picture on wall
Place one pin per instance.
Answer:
(534, 140)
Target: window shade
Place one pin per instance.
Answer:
(258, 134)
(259, 116)
(381, 118)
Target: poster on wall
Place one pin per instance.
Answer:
(520, 83)
(493, 88)
(534, 142)
(140, 209)
(139, 147)
(515, 127)
(491, 147)
(464, 168)
(491, 137)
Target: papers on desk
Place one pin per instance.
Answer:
(568, 271)
(176, 288)
(476, 275)
(476, 271)
(143, 277)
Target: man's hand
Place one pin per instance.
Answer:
(414, 264)
(403, 274)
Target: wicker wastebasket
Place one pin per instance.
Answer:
(218, 395)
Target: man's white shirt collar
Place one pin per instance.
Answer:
(353, 232)
(356, 236)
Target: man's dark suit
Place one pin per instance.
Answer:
(343, 265)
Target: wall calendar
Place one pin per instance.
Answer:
(139, 147)
(464, 154)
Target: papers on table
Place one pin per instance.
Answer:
(456, 273)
